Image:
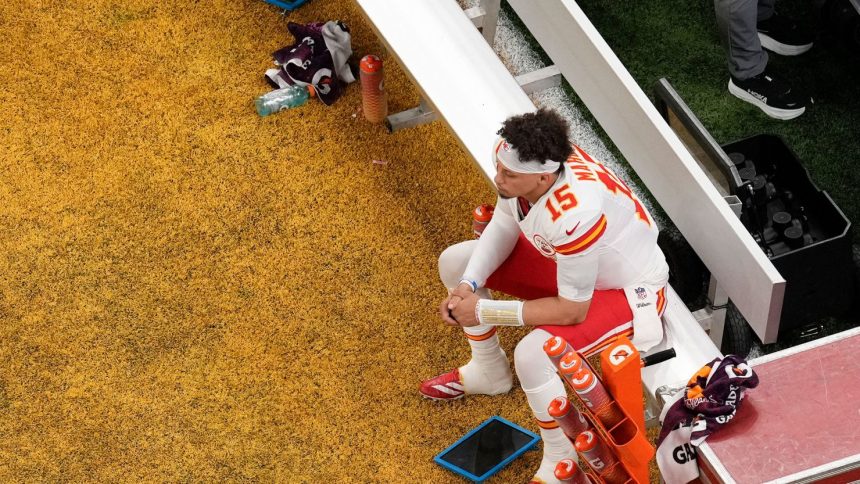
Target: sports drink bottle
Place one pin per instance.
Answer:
(569, 418)
(568, 471)
(481, 216)
(569, 364)
(555, 348)
(594, 396)
(280, 99)
(600, 457)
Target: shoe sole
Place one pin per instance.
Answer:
(438, 399)
(776, 113)
(442, 399)
(777, 47)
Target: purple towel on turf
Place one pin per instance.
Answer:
(318, 58)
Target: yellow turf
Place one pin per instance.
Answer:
(189, 292)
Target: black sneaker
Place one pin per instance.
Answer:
(783, 36)
(773, 96)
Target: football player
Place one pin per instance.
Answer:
(569, 239)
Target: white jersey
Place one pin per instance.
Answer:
(588, 214)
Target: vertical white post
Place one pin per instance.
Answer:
(491, 19)
(718, 298)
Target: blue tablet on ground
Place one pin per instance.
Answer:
(287, 4)
(486, 449)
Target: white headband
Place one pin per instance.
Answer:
(509, 157)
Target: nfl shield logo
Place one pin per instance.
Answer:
(640, 292)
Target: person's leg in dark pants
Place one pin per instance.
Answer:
(740, 23)
(736, 21)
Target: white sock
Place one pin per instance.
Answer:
(488, 372)
(556, 445)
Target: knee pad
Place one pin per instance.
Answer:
(453, 262)
(533, 366)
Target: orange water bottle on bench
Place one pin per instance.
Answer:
(481, 216)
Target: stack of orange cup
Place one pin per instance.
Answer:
(374, 99)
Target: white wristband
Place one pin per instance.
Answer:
(499, 313)
(471, 283)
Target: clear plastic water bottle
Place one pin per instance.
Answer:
(280, 99)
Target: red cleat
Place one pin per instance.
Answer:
(447, 386)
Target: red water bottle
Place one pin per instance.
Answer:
(374, 100)
(556, 347)
(569, 364)
(568, 471)
(600, 457)
(569, 418)
(481, 216)
(594, 396)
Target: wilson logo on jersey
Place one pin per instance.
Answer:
(586, 240)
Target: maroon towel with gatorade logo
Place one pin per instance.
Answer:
(317, 58)
(710, 401)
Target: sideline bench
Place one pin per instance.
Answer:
(464, 82)
(455, 69)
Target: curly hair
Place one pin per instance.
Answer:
(538, 136)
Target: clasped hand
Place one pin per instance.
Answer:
(458, 309)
